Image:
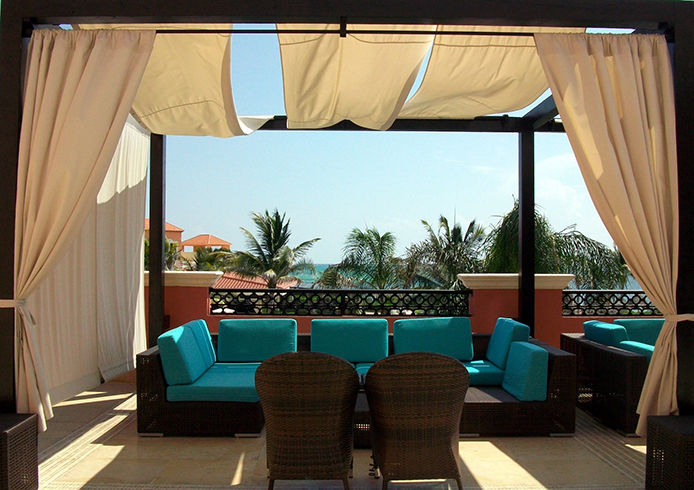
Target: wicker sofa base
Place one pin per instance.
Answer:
(156, 415)
(609, 381)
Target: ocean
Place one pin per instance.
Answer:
(307, 278)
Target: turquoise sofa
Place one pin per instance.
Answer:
(526, 379)
(637, 335)
(361, 341)
(187, 387)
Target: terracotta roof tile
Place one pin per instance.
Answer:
(205, 241)
(169, 226)
(231, 280)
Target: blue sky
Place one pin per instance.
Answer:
(331, 182)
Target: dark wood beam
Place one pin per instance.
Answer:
(646, 14)
(10, 115)
(684, 102)
(542, 113)
(157, 236)
(489, 124)
(526, 228)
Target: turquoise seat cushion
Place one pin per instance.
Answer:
(644, 330)
(363, 367)
(353, 339)
(234, 382)
(526, 372)
(604, 333)
(254, 340)
(637, 348)
(202, 336)
(484, 373)
(450, 336)
(505, 331)
(181, 358)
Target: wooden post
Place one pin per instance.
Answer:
(157, 236)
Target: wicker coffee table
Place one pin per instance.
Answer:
(670, 453)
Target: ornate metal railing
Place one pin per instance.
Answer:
(339, 302)
(600, 302)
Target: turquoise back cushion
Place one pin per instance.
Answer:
(505, 331)
(526, 372)
(352, 339)
(181, 358)
(255, 340)
(450, 336)
(644, 330)
(604, 333)
(204, 340)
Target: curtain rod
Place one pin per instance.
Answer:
(341, 32)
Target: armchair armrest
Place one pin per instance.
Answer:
(561, 387)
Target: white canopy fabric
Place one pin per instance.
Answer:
(90, 306)
(364, 78)
(186, 88)
(615, 96)
(479, 75)
(79, 88)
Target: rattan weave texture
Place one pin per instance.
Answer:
(670, 452)
(308, 400)
(18, 452)
(416, 400)
(609, 381)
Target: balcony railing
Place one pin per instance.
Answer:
(593, 302)
(339, 302)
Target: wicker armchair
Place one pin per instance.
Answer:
(416, 400)
(308, 400)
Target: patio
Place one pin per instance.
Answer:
(92, 442)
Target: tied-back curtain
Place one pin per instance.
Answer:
(364, 78)
(79, 88)
(478, 75)
(616, 99)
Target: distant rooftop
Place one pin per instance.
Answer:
(206, 240)
(232, 280)
(169, 226)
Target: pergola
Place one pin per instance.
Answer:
(674, 19)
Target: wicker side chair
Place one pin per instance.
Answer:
(416, 400)
(308, 400)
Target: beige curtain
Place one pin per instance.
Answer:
(79, 88)
(90, 304)
(364, 78)
(118, 250)
(186, 88)
(615, 96)
(478, 75)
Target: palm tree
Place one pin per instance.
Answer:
(437, 261)
(369, 261)
(269, 256)
(206, 259)
(569, 251)
(171, 254)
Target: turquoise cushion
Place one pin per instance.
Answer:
(637, 347)
(243, 340)
(644, 330)
(363, 367)
(526, 372)
(484, 373)
(505, 331)
(221, 383)
(604, 333)
(204, 340)
(181, 358)
(450, 336)
(352, 339)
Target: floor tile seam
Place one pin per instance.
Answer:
(634, 472)
(610, 439)
(617, 448)
(75, 451)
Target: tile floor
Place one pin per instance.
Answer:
(92, 442)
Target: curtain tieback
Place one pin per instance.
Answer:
(12, 303)
(681, 317)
